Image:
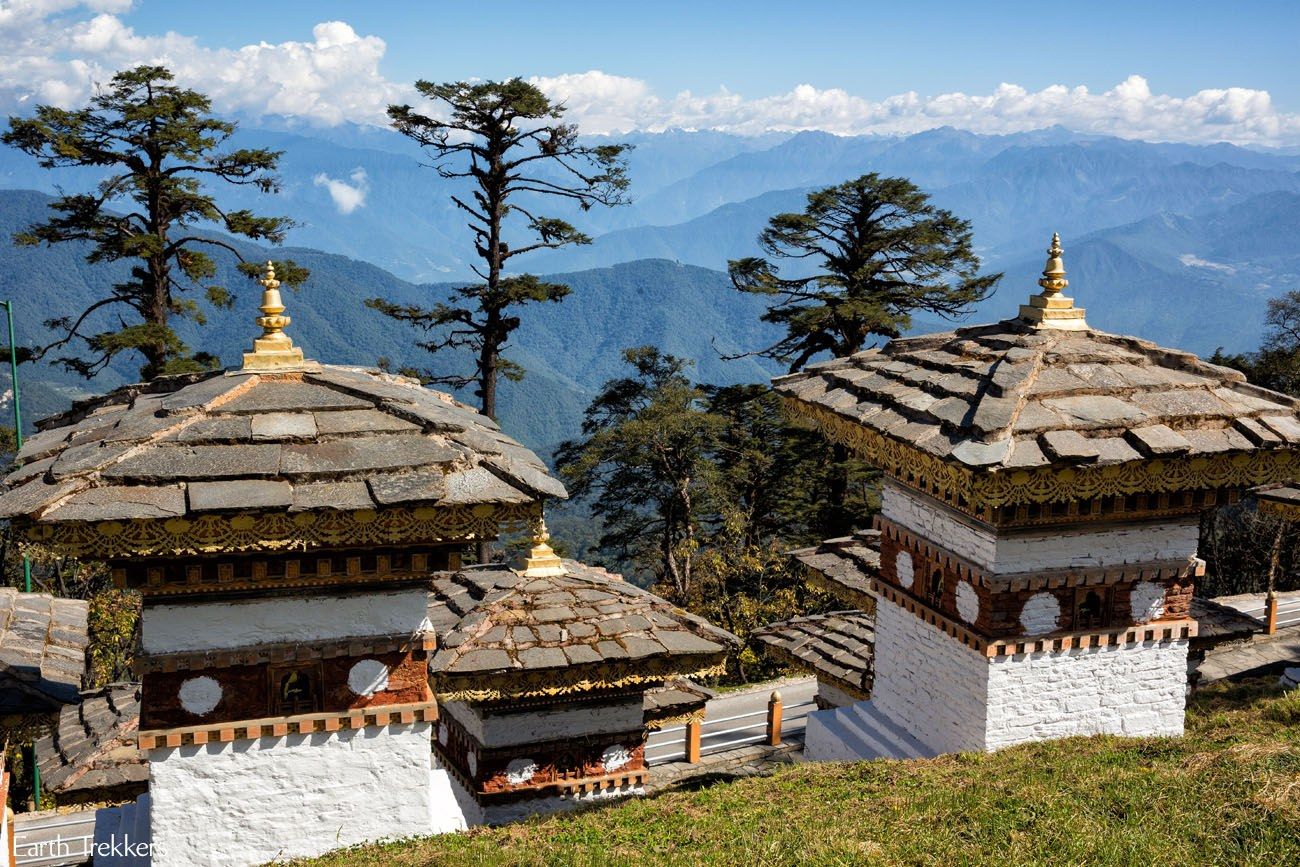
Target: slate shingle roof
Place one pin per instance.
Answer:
(42, 651)
(325, 437)
(1218, 623)
(504, 633)
(843, 567)
(1010, 396)
(837, 647)
(94, 746)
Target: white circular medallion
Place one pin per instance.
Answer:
(199, 695)
(615, 756)
(968, 602)
(520, 771)
(368, 677)
(471, 762)
(904, 569)
(1040, 614)
(1146, 601)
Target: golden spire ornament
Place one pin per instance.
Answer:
(1049, 308)
(274, 349)
(542, 561)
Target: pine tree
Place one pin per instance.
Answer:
(160, 145)
(508, 139)
(878, 252)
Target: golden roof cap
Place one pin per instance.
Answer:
(274, 349)
(1049, 308)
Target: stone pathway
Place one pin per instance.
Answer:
(1264, 652)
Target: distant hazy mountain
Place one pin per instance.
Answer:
(1178, 243)
(569, 348)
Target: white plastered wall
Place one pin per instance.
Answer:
(250, 801)
(1102, 545)
(209, 626)
(510, 729)
(932, 685)
(954, 699)
(1136, 690)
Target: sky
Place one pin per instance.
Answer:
(1185, 71)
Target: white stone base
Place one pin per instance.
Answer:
(953, 699)
(277, 798)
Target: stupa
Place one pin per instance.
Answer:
(295, 530)
(1032, 565)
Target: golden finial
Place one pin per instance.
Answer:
(274, 348)
(1049, 308)
(1053, 280)
(542, 561)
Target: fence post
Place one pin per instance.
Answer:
(693, 741)
(1270, 613)
(774, 719)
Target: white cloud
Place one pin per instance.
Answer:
(56, 50)
(605, 103)
(347, 197)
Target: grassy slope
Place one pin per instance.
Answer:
(1226, 793)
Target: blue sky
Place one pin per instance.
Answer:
(870, 48)
(1189, 71)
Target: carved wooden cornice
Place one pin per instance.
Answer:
(1160, 631)
(276, 531)
(978, 492)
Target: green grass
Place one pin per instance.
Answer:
(1226, 793)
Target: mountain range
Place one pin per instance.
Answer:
(1181, 244)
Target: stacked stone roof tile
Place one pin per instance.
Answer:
(837, 647)
(323, 437)
(42, 651)
(93, 748)
(505, 633)
(844, 566)
(1011, 396)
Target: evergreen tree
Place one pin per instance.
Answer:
(645, 461)
(878, 251)
(508, 139)
(868, 253)
(159, 144)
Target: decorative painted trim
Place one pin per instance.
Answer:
(974, 492)
(179, 577)
(1163, 631)
(680, 719)
(514, 683)
(1043, 579)
(607, 783)
(276, 531)
(202, 660)
(304, 724)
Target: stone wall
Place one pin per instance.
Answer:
(954, 699)
(929, 682)
(1135, 690)
(252, 801)
(241, 623)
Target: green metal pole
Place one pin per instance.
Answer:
(18, 443)
(18, 414)
(13, 374)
